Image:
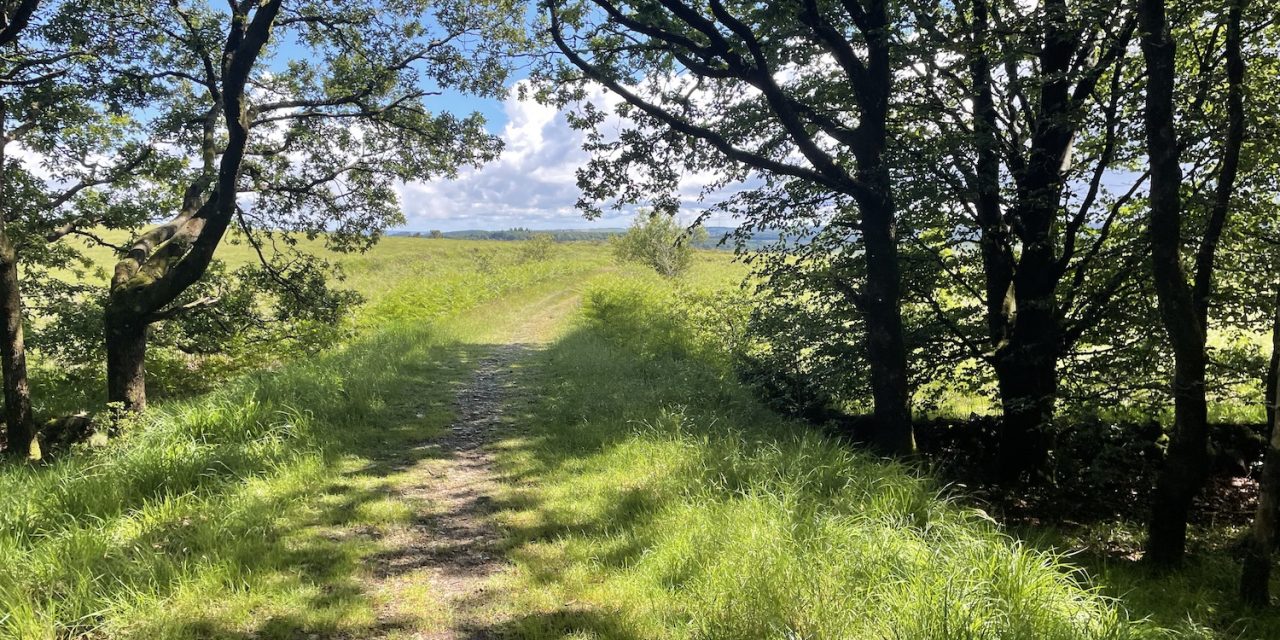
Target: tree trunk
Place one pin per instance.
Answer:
(1020, 288)
(126, 360)
(886, 347)
(1186, 462)
(882, 300)
(1184, 306)
(20, 426)
(20, 435)
(1028, 385)
(1027, 351)
(1027, 362)
(169, 258)
(1255, 578)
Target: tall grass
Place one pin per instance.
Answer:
(649, 494)
(655, 498)
(212, 516)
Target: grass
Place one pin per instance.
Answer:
(221, 500)
(652, 497)
(402, 279)
(648, 494)
(247, 512)
(1199, 600)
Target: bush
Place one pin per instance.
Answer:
(658, 241)
(539, 247)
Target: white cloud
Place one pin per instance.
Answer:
(532, 184)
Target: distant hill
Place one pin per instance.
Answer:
(560, 235)
(715, 235)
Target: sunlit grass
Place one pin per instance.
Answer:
(212, 514)
(648, 493)
(250, 511)
(653, 497)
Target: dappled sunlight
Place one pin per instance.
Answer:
(526, 469)
(265, 509)
(674, 505)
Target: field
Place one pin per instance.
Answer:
(635, 489)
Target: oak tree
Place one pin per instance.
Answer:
(301, 118)
(794, 92)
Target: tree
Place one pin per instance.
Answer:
(19, 425)
(317, 142)
(80, 159)
(1255, 577)
(538, 247)
(660, 242)
(1016, 120)
(1254, 252)
(794, 93)
(1183, 302)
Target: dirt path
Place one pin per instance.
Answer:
(451, 549)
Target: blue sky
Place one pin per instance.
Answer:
(531, 185)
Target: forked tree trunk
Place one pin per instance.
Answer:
(1021, 298)
(1184, 307)
(165, 261)
(1187, 457)
(1255, 577)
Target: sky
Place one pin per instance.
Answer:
(532, 184)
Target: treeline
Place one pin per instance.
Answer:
(156, 133)
(1071, 206)
(716, 237)
(520, 234)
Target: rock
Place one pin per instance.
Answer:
(58, 434)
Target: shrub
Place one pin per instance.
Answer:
(658, 241)
(539, 247)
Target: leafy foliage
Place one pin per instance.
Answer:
(658, 241)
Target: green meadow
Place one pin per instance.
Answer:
(643, 492)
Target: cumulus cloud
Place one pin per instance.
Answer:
(532, 184)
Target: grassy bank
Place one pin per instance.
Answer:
(648, 493)
(232, 514)
(653, 497)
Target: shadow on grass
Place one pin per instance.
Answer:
(576, 531)
(581, 399)
(257, 511)
(317, 554)
(561, 623)
(1200, 598)
(300, 490)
